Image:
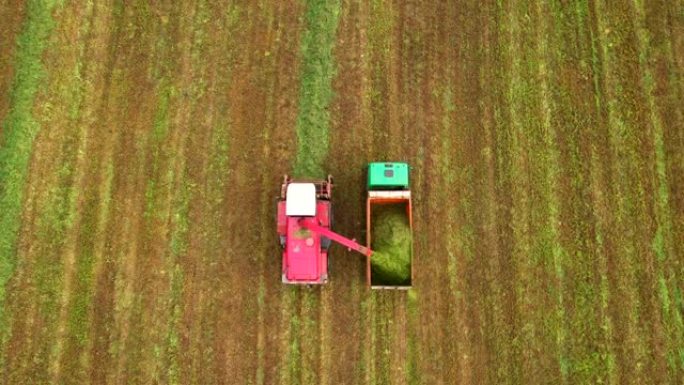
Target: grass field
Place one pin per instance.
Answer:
(142, 144)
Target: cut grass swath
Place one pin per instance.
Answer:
(318, 69)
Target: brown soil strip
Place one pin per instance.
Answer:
(121, 106)
(206, 170)
(94, 195)
(342, 325)
(428, 83)
(487, 286)
(258, 145)
(658, 78)
(630, 305)
(166, 149)
(70, 361)
(668, 72)
(133, 279)
(111, 109)
(421, 59)
(12, 14)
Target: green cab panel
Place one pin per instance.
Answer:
(388, 176)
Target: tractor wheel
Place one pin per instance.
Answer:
(325, 243)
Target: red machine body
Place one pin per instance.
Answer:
(305, 239)
(305, 252)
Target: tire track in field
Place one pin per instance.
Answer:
(128, 103)
(601, 187)
(160, 292)
(624, 116)
(669, 93)
(670, 171)
(274, 32)
(582, 327)
(452, 189)
(214, 187)
(94, 195)
(133, 280)
(408, 118)
(111, 110)
(524, 125)
(561, 87)
(379, 27)
(202, 205)
(457, 233)
(169, 295)
(535, 211)
(205, 214)
(165, 169)
(548, 253)
(426, 71)
(439, 78)
(501, 275)
(485, 284)
(243, 118)
(76, 273)
(671, 75)
(665, 327)
(483, 235)
(367, 121)
(492, 342)
(251, 115)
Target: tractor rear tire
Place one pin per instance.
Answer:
(325, 243)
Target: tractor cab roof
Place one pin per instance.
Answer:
(300, 200)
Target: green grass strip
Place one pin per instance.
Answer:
(313, 122)
(154, 190)
(19, 130)
(318, 69)
(178, 247)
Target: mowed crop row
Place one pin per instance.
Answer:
(142, 145)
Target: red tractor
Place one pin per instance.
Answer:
(304, 222)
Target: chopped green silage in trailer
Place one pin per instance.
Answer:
(391, 259)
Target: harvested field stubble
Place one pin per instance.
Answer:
(142, 143)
